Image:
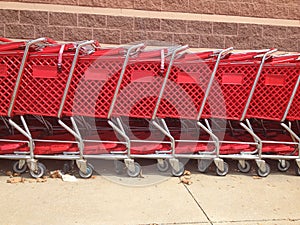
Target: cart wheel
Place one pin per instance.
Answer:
(178, 173)
(89, 171)
(283, 168)
(136, 172)
(119, 166)
(16, 168)
(264, 173)
(244, 169)
(39, 172)
(224, 172)
(203, 165)
(163, 167)
(297, 170)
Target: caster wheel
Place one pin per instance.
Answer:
(119, 166)
(264, 173)
(283, 168)
(224, 172)
(136, 172)
(244, 169)
(16, 168)
(89, 172)
(203, 165)
(178, 173)
(39, 172)
(297, 170)
(163, 167)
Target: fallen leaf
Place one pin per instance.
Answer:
(187, 172)
(56, 174)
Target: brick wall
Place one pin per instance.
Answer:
(110, 29)
(284, 9)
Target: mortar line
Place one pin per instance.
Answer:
(200, 207)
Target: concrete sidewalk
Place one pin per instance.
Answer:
(235, 199)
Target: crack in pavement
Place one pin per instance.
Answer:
(200, 207)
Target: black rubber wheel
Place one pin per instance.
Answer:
(264, 173)
(136, 172)
(89, 172)
(163, 167)
(224, 172)
(180, 172)
(16, 168)
(39, 172)
(283, 168)
(244, 169)
(297, 170)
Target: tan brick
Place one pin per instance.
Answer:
(121, 22)
(187, 39)
(90, 20)
(173, 25)
(107, 36)
(160, 36)
(225, 28)
(274, 32)
(9, 16)
(293, 32)
(238, 42)
(277, 11)
(175, 5)
(34, 17)
(96, 3)
(199, 27)
(262, 43)
(228, 8)
(132, 36)
(294, 12)
(211, 41)
(148, 4)
(205, 6)
(62, 19)
(146, 24)
(19, 31)
(125, 4)
(249, 30)
(2, 30)
(77, 34)
(55, 33)
(253, 10)
(286, 44)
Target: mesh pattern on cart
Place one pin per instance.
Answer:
(184, 92)
(9, 65)
(235, 82)
(273, 92)
(42, 86)
(294, 112)
(139, 90)
(93, 86)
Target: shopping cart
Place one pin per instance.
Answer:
(42, 89)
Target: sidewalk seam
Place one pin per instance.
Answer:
(191, 194)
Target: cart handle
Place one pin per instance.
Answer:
(74, 62)
(256, 81)
(20, 72)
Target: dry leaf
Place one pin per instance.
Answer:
(15, 180)
(56, 174)
(187, 172)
